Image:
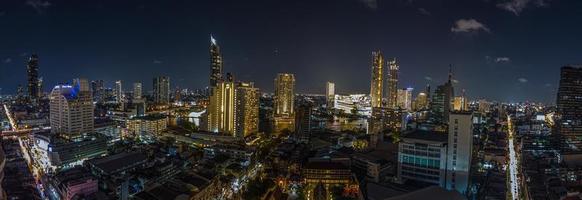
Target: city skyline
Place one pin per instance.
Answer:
(481, 45)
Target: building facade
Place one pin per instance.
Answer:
(162, 90)
(71, 109)
(569, 109)
(33, 86)
(393, 84)
(377, 81)
(422, 156)
(215, 63)
(329, 94)
(460, 150)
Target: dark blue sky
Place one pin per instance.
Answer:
(508, 50)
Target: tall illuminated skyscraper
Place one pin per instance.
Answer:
(221, 110)
(329, 94)
(393, 83)
(284, 94)
(162, 90)
(404, 100)
(33, 80)
(118, 92)
(246, 109)
(569, 109)
(71, 109)
(215, 63)
(137, 90)
(284, 108)
(377, 82)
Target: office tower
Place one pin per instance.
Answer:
(422, 156)
(393, 84)
(215, 63)
(221, 109)
(98, 90)
(442, 100)
(303, 123)
(459, 152)
(137, 91)
(118, 93)
(162, 90)
(33, 81)
(329, 94)
(71, 109)
(461, 103)
(40, 84)
(404, 100)
(284, 94)
(377, 82)
(569, 108)
(246, 109)
(421, 101)
(284, 99)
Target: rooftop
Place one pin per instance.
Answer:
(114, 163)
(427, 135)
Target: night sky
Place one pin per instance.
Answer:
(508, 50)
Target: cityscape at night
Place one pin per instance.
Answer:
(291, 100)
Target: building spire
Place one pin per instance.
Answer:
(212, 40)
(450, 73)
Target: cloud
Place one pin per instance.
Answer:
(517, 6)
(423, 11)
(7, 60)
(157, 62)
(548, 85)
(502, 59)
(372, 4)
(455, 81)
(522, 80)
(38, 5)
(428, 78)
(468, 25)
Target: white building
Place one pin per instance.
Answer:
(459, 151)
(71, 109)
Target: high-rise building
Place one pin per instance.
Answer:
(484, 106)
(118, 92)
(221, 109)
(137, 91)
(246, 109)
(71, 109)
(215, 63)
(442, 100)
(98, 90)
(284, 94)
(393, 84)
(460, 104)
(421, 101)
(330, 94)
(162, 90)
(303, 123)
(460, 149)
(284, 99)
(377, 82)
(569, 109)
(33, 80)
(404, 100)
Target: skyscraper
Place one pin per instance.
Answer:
(303, 123)
(284, 94)
(284, 113)
(162, 90)
(215, 63)
(118, 92)
(459, 152)
(442, 100)
(377, 82)
(329, 94)
(97, 89)
(404, 100)
(246, 109)
(71, 109)
(137, 91)
(33, 81)
(393, 83)
(221, 109)
(569, 109)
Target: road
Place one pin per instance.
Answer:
(513, 163)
